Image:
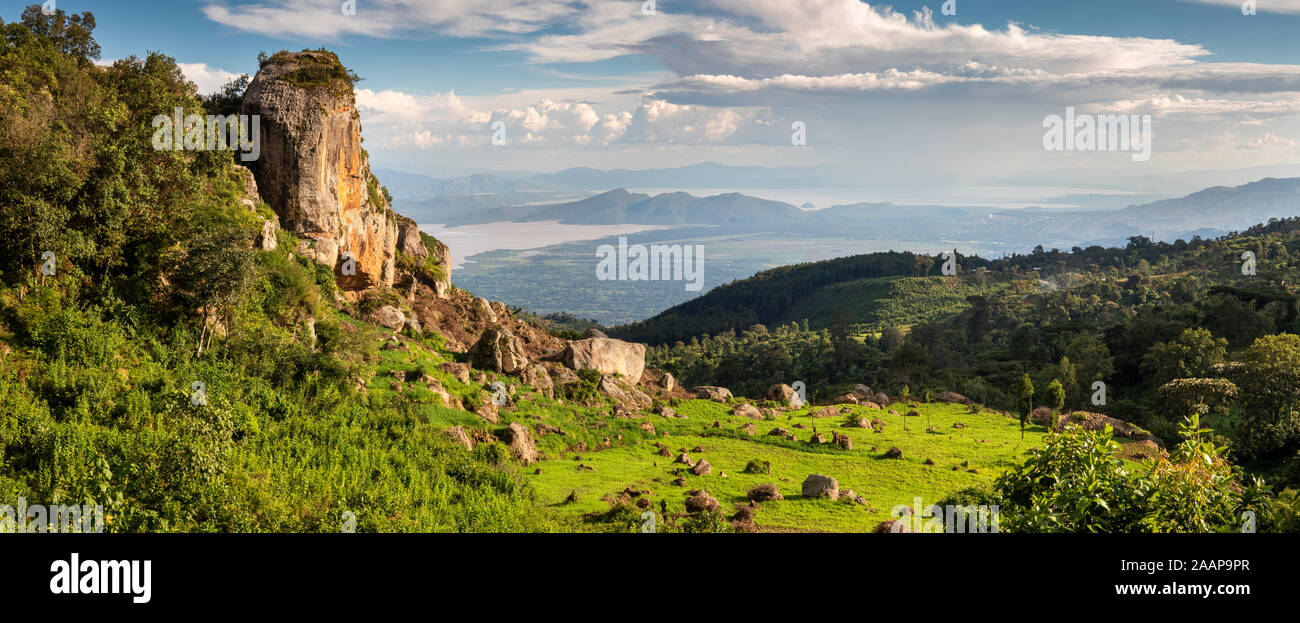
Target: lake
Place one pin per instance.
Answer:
(469, 240)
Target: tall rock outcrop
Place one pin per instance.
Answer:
(313, 171)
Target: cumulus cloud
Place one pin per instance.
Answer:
(1262, 6)
(208, 79)
(325, 19)
(894, 90)
(444, 119)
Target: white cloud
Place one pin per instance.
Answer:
(897, 93)
(1262, 6)
(390, 18)
(208, 79)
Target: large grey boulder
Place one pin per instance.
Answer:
(606, 356)
(498, 350)
(389, 316)
(520, 442)
(709, 392)
(819, 486)
(785, 395)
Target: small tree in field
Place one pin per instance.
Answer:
(1055, 400)
(1026, 394)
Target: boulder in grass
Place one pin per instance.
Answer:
(703, 468)
(819, 486)
(709, 392)
(701, 503)
(458, 434)
(765, 493)
(826, 412)
(606, 356)
(953, 397)
(389, 317)
(747, 411)
(785, 395)
(498, 350)
(520, 442)
(892, 526)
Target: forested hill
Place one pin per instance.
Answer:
(770, 296)
(816, 291)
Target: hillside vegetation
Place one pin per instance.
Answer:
(168, 351)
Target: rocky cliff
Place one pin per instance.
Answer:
(313, 171)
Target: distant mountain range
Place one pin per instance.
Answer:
(566, 197)
(579, 179)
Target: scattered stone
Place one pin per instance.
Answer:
(819, 486)
(953, 397)
(703, 468)
(498, 350)
(785, 395)
(458, 434)
(666, 411)
(747, 411)
(606, 356)
(892, 526)
(702, 502)
(520, 441)
(765, 493)
(389, 317)
(709, 392)
(826, 412)
(893, 453)
(458, 371)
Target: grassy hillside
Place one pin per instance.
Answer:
(160, 358)
(966, 457)
(876, 304)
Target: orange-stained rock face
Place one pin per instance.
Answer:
(313, 172)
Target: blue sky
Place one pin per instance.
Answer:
(897, 92)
